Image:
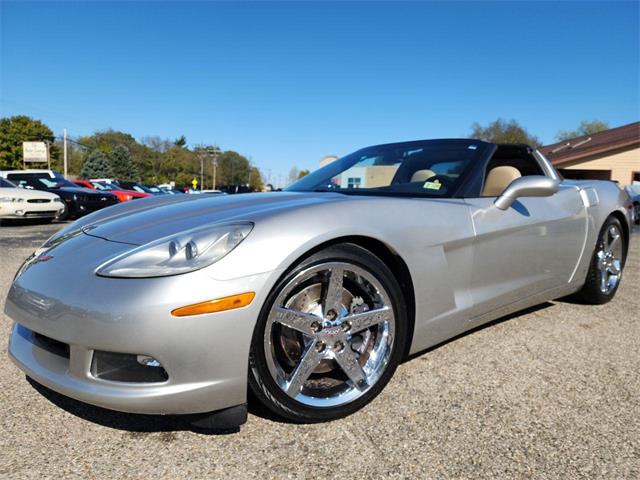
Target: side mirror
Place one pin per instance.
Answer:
(530, 186)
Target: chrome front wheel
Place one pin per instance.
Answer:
(329, 334)
(331, 337)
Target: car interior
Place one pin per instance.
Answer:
(508, 163)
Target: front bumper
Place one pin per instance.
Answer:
(205, 356)
(24, 210)
(84, 206)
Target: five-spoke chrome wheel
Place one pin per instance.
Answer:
(329, 334)
(609, 257)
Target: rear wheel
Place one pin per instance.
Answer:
(607, 263)
(329, 337)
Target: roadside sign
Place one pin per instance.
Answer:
(35, 152)
(194, 182)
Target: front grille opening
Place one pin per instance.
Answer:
(50, 345)
(127, 367)
(40, 213)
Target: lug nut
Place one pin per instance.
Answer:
(338, 346)
(320, 346)
(346, 326)
(315, 327)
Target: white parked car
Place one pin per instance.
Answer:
(21, 203)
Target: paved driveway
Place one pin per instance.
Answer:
(552, 392)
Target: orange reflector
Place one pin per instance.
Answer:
(217, 305)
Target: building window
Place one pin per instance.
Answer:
(353, 182)
(635, 177)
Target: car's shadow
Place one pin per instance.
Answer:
(130, 422)
(170, 423)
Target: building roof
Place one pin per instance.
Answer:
(595, 144)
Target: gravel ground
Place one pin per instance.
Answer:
(552, 392)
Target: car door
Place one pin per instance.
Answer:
(531, 247)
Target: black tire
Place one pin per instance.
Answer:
(64, 215)
(591, 292)
(261, 382)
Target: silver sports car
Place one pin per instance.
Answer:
(309, 297)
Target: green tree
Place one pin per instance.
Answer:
(587, 127)
(502, 131)
(303, 173)
(106, 140)
(122, 164)
(18, 129)
(256, 182)
(180, 142)
(233, 169)
(96, 165)
(180, 165)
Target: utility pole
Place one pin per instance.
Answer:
(213, 152)
(201, 170)
(48, 155)
(64, 147)
(214, 165)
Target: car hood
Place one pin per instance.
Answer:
(26, 193)
(151, 218)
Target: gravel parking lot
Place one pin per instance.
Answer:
(552, 392)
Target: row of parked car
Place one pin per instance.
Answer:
(45, 195)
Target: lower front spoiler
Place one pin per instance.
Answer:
(56, 372)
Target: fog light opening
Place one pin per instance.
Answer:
(127, 367)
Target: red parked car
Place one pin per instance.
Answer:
(122, 194)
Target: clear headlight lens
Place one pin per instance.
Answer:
(57, 199)
(11, 200)
(180, 253)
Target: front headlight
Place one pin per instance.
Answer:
(11, 200)
(57, 199)
(180, 253)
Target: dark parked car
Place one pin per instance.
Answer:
(78, 201)
(139, 187)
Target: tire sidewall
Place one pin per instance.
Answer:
(262, 383)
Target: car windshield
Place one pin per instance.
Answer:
(6, 184)
(103, 186)
(41, 181)
(434, 168)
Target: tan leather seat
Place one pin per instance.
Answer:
(422, 175)
(498, 179)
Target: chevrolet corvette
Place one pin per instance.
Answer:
(311, 297)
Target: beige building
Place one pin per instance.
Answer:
(610, 155)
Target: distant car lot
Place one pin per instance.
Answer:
(551, 392)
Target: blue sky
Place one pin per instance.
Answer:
(287, 83)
